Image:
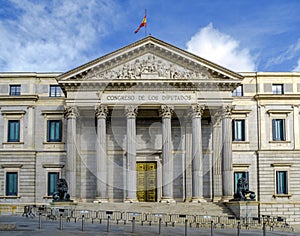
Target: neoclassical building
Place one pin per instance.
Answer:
(151, 123)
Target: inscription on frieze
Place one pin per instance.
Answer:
(159, 98)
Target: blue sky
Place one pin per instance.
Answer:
(59, 35)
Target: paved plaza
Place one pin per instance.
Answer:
(30, 226)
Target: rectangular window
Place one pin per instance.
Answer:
(54, 131)
(278, 129)
(13, 131)
(15, 90)
(238, 130)
(238, 92)
(281, 182)
(11, 188)
(52, 180)
(277, 88)
(55, 91)
(237, 176)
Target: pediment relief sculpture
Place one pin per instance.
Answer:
(148, 67)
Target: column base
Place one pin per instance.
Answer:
(217, 199)
(226, 198)
(101, 200)
(198, 200)
(131, 200)
(167, 200)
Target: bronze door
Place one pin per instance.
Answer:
(146, 181)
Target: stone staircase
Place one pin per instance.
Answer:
(207, 208)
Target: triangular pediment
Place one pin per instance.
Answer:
(149, 60)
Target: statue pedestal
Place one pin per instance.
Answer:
(63, 204)
(243, 209)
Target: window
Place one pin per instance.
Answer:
(277, 88)
(15, 90)
(52, 180)
(11, 188)
(281, 182)
(54, 131)
(55, 91)
(237, 176)
(238, 130)
(238, 91)
(13, 131)
(278, 129)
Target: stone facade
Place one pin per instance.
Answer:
(151, 122)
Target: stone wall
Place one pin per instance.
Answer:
(290, 211)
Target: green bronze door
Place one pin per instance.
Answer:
(146, 181)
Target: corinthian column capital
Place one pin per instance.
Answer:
(101, 111)
(131, 111)
(71, 112)
(227, 111)
(197, 110)
(166, 111)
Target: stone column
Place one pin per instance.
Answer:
(101, 155)
(227, 171)
(217, 156)
(167, 157)
(71, 113)
(197, 155)
(188, 158)
(131, 113)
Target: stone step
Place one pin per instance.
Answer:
(169, 208)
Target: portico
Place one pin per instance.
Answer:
(149, 102)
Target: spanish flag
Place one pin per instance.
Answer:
(144, 22)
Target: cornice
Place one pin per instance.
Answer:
(18, 98)
(29, 74)
(161, 85)
(276, 96)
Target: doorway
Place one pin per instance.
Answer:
(146, 181)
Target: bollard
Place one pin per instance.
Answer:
(238, 228)
(60, 222)
(264, 229)
(40, 220)
(185, 227)
(159, 226)
(108, 226)
(133, 224)
(82, 223)
(211, 228)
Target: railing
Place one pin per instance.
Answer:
(166, 219)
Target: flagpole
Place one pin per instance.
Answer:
(146, 24)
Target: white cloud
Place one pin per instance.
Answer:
(53, 35)
(292, 53)
(220, 48)
(297, 68)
